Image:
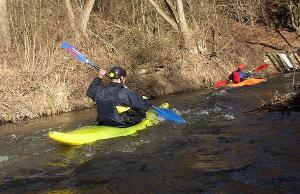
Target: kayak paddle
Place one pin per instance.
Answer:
(168, 115)
(221, 83)
(78, 55)
(258, 68)
(164, 113)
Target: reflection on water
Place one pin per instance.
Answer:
(225, 148)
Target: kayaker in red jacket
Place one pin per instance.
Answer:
(116, 104)
(239, 75)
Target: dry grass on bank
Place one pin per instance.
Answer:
(41, 80)
(38, 78)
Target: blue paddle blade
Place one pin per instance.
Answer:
(169, 115)
(79, 56)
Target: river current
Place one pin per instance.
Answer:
(226, 147)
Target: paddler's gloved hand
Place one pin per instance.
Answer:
(102, 73)
(145, 97)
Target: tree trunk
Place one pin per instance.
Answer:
(81, 27)
(164, 15)
(189, 41)
(71, 17)
(85, 17)
(294, 7)
(172, 6)
(5, 41)
(191, 10)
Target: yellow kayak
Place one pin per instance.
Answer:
(90, 134)
(247, 82)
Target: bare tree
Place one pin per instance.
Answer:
(71, 17)
(80, 28)
(294, 6)
(84, 18)
(189, 42)
(5, 41)
(170, 20)
(178, 21)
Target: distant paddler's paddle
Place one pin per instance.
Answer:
(221, 83)
(256, 69)
(164, 113)
(260, 67)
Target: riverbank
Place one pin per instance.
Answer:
(283, 102)
(57, 83)
(38, 78)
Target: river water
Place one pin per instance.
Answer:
(224, 148)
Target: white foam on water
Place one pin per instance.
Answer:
(228, 116)
(89, 154)
(217, 109)
(13, 136)
(203, 112)
(219, 93)
(176, 111)
(3, 159)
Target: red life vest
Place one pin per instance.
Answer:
(236, 77)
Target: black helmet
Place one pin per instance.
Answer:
(116, 72)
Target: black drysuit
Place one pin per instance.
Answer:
(113, 95)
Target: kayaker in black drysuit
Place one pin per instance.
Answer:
(116, 104)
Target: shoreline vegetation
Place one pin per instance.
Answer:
(166, 46)
(283, 102)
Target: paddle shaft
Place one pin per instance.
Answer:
(260, 67)
(78, 55)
